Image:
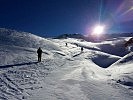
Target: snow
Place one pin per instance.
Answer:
(103, 71)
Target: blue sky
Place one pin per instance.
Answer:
(54, 17)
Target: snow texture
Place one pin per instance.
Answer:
(102, 71)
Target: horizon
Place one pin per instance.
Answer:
(104, 34)
(49, 18)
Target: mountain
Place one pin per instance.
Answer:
(113, 35)
(24, 39)
(92, 38)
(102, 71)
(76, 36)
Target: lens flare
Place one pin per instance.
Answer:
(98, 30)
(128, 11)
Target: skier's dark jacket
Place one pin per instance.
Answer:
(39, 51)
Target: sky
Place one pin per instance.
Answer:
(54, 17)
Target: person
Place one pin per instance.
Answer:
(66, 44)
(81, 49)
(39, 52)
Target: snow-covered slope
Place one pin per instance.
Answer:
(103, 71)
(24, 39)
(122, 70)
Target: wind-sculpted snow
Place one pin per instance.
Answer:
(126, 59)
(66, 72)
(115, 47)
(122, 70)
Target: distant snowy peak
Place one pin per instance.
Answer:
(24, 39)
(92, 38)
(65, 36)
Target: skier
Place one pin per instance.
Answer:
(81, 49)
(39, 52)
(66, 44)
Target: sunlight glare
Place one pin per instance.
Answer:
(98, 30)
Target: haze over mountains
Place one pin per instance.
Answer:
(103, 71)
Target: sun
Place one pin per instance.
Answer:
(98, 30)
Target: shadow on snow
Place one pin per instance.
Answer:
(21, 64)
(77, 54)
